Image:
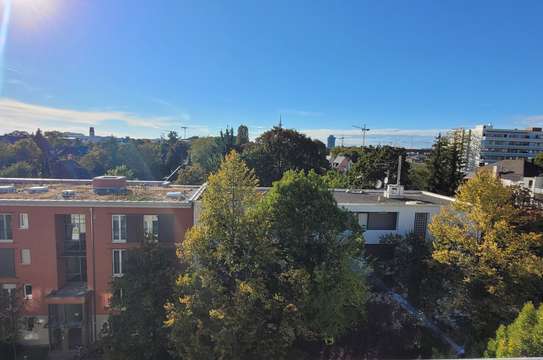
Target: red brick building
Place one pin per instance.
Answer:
(62, 242)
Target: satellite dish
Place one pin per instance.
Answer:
(378, 184)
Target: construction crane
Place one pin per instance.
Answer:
(364, 130)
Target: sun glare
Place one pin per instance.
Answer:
(31, 12)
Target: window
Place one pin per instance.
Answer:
(421, 224)
(363, 220)
(382, 220)
(75, 269)
(5, 228)
(77, 227)
(25, 257)
(7, 262)
(119, 228)
(28, 291)
(23, 221)
(150, 227)
(9, 288)
(119, 262)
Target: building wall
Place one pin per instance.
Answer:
(44, 271)
(405, 221)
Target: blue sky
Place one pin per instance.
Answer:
(407, 69)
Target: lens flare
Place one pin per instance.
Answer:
(4, 28)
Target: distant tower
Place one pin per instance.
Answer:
(280, 122)
(331, 143)
(91, 131)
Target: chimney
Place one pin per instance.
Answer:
(91, 131)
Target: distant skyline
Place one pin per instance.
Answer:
(408, 70)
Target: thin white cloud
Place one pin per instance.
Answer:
(301, 113)
(531, 120)
(18, 115)
(323, 133)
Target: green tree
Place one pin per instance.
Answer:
(11, 306)
(20, 169)
(437, 166)
(191, 175)
(522, 338)
(376, 163)
(419, 176)
(250, 290)
(321, 245)
(95, 161)
(121, 170)
(224, 308)
(136, 330)
(207, 153)
(278, 150)
(445, 165)
(335, 179)
(494, 266)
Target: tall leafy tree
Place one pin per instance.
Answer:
(320, 245)
(522, 338)
(494, 267)
(11, 306)
(136, 330)
(445, 165)
(278, 150)
(250, 291)
(438, 164)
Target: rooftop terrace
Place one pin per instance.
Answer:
(83, 190)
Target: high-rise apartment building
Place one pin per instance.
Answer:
(485, 144)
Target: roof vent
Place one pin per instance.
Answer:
(394, 191)
(5, 189)
(177, 195)
(106, 185)
(37, 189)
(67, 194)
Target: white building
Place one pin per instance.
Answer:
(383, 212)
(392, 211)
(492, 145)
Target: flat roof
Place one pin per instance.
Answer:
(362, 196)
(372, 196)
(137, 191)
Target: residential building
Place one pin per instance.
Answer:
(63, 241)
(486, 145)
(340, 163)
(391, 211)
(521, 173)
(382, 212)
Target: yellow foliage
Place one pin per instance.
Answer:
(216, 314)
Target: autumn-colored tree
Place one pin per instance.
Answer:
(250, 290)
(522, 338)
(496, 267)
